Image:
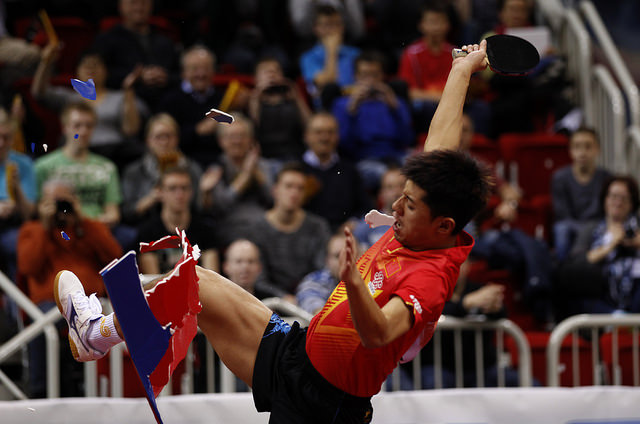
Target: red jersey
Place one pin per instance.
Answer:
(421, 68)
(424, 280)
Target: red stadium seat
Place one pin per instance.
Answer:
(488, 151)
(538, 341)
(530, 159)
(624, 369)
(75, 33)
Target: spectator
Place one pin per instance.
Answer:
(478, 302)
(141, 177)
(237, 192)
(242, 264)
(279, 111)
(119, 112)
(391, 187)
(301, 14)
(373, 147)
(575, 190)
(94, 177)
(189, 103)
(43, 251)
(17, 194)
(609, 247)
(316, 287)
(328, 66)
(18, 57)
(135, 42)
(335, 187)
(175, 192)
(292, 241)
(504, 245)
(425, 63)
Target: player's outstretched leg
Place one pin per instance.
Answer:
(233, 320)
(91, 334)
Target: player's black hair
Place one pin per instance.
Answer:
(456, 185)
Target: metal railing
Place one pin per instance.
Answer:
(457, 326)
(593, 324)
(610, 51)
(42, 323)
(633, 147)
(609, 117)
(575, 44)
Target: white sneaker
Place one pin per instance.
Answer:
(79, 311)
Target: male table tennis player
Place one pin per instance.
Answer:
(383, 311)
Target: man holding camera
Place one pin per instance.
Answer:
(375, 124)
(60, 238)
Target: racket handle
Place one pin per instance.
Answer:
(456, 53)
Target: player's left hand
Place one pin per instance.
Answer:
(348, 257)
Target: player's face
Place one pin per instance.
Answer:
(414, 228)
(584, 149)
(288, 193)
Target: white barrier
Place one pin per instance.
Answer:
(491, 406)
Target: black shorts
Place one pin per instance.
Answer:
(285, 383)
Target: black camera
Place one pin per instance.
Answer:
(64, 206)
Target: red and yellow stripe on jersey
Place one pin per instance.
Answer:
(424, 280)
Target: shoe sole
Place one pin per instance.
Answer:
(56, 296)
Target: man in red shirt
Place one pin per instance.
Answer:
(425, 63)
(384, 309)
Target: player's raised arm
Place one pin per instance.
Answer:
(446, 125)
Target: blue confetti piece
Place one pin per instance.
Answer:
(85, 89)
(75, 136)
(33, 147)
(65, 236)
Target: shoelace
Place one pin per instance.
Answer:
(86, 307)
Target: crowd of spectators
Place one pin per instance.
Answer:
(329, 98)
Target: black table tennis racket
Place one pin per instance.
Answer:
(508, 55)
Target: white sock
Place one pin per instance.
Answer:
(103, 334)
